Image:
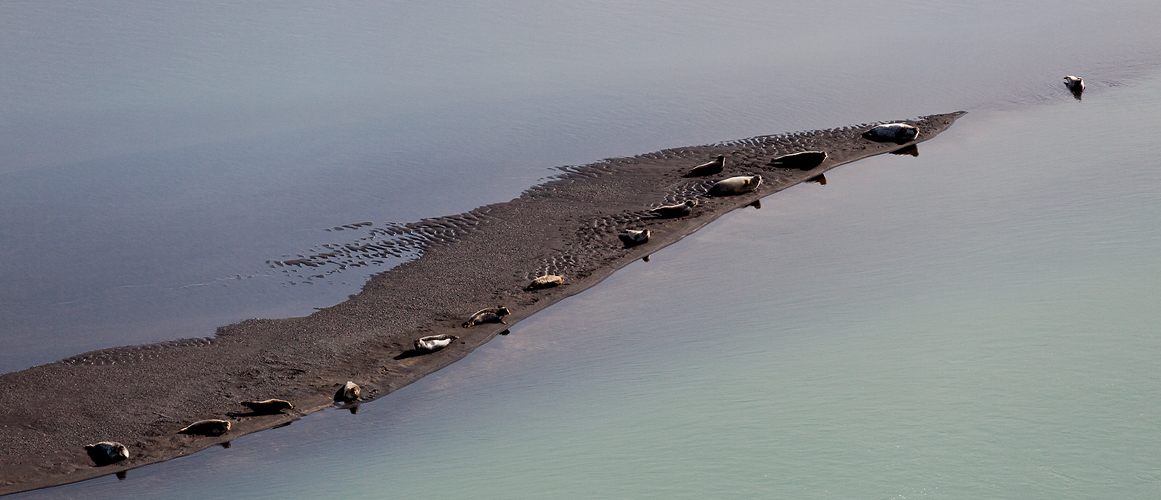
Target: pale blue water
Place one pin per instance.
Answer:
(977, 322)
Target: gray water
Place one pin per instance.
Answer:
(977, 322)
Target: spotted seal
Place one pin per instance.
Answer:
(268, 406)
(672, 211)
(633, 237)
(348, 392)
(209, 427)
(709, 168)
(735, 185)
(434, 343)
(892, 132)
(489, 315)
(546, 281)
(805, 160)
(1075, 85)
(107, 452)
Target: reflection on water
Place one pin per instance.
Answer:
(819, 179)
(912, 150)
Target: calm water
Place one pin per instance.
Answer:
(977, 322)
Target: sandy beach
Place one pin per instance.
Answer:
(569, 226)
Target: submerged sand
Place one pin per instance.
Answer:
(142, 395)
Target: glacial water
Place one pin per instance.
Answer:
(976, 322)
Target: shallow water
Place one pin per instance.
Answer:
(977, 322)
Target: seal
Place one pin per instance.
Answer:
(210, 427)
(268, 406)
(709, 168)
(632, 237)
(892, 132)
(805, 160)
(434, 342)
(546, 281)
(489, 315)
(672, 211)
(348, 392)
(1074, 83)
(107, 452)
(735, 185)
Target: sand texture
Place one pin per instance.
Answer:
(569, 226)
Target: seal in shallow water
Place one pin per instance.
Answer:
(434, 342)
(892, 132)
(708, 168)
(1075, 85)
(268, 406)
(735, 185)
(348, 392)
(107, 452)
(546, 281)
(633, 237)
(489, 315)
(805, 160)
(209, 427)
(671, 211)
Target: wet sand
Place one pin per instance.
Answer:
(142, 395)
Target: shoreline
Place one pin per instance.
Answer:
(141, 395)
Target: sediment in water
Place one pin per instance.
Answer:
(568, 226)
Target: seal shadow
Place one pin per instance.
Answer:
(912, 150)
(410, 353)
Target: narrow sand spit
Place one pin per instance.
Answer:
(142, 395)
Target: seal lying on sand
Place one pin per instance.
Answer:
(1074, 83)
(348, 392)
(708, 168)
(107, 452)
(268, 406)
(546, 281)
(633, 237)
(892, 132)
(489, 315)
(735, 185)
(671, 211)
(434, 342)
(210, 427)
(805, 160)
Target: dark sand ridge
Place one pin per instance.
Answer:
(142, 395)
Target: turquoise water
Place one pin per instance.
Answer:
(977, 322)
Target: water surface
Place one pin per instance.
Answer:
(977, 322)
